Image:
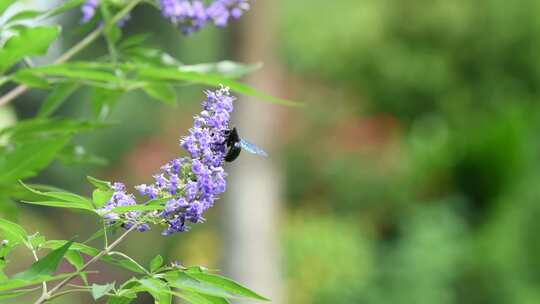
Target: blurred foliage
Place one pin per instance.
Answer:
(431, 143)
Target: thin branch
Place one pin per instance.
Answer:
(20, 89)
(44, 284)
(130, 259)
(51, 293)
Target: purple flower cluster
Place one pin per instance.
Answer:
(187, 186)
(120, 198)
(89, 10)
(190, 16)
(193, 183)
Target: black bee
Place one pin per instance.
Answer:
(235, 144)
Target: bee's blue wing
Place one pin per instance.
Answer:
(251, 148)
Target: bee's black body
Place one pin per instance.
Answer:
(232, 142)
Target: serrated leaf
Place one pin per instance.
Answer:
(162, 92)
(155, 263)
(26, 159)
(14, 232)
(30, 41)
(46, 265)
(56, 98)
(99, 291)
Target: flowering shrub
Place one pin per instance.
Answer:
(180, 193)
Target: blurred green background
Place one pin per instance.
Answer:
(412, 174)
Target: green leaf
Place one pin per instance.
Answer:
(119, 300)
(31, 80)
(228, 285)
(210, 284)
(66, 6)
(99, 291)
(100, 184)
(60, 204)
(91, 251)
(32, 129)
(224, 68)
(56, 98)
(14, 283)
(29, 42)
(133, 40)
(82, 248)
(100, 197)
(4, 4)
(158, 289)
(62, 199)
(14, 232)
(155, 263)
(197, 298)
(26, 159)
(165, 73)
(22, 15)
(46, 265)
(16, 293)
(162, 92)
(184, 281)
(103, 101)
(137, 208)
(23, 161)
(75, 71)
(75, 259)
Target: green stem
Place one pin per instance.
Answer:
(19, 90)
(44, 284)
(47, 296)
(65, 292)
(132, 260)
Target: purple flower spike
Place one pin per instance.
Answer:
(190, 16)
(188, 186)
(193, 183)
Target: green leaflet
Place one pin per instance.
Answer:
(29, 41)
(44, 266)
